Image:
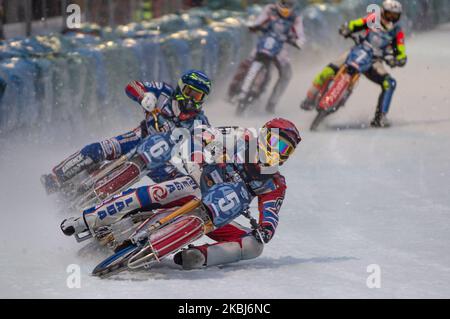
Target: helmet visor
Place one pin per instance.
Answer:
(288, 4)
(276, 149)
(192, 93)
(392, 16)
(285, 8)
(279, 144)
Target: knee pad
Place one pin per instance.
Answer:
(251, 248)
(327, 73)
(223, 253)
(389, 84)
(384, 103)
(334, 67)
(230, 252)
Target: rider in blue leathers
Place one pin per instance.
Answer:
(226, 189)
(284, 22)
(165, 108)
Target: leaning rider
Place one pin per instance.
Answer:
(164, 108)
(226, 188)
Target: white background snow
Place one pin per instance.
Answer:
(355, 197)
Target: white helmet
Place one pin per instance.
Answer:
(392, 11)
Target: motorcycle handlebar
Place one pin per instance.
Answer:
(253, 222)
(260, 29)
(387, 57)
(294, 44)
(253, 28)
(356, 38)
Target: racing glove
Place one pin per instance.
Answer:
(345, 31)
(401, 62)
(295, 43)
(148, 102)
(253, 28)
(392, 62)
(263, 234)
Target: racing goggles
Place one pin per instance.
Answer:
(285, 8)
(392, 16)
(189, 92)
(277, 149)
(280, 144)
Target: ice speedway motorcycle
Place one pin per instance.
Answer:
(338, 89)
(141, 239)
(157, 237)
(141, 245)
(256, 74)
(104, 180)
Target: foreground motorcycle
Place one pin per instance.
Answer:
(158, 237)
(255, 75)
(338, 89)
(142, 239)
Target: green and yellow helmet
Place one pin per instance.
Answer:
(192, 90)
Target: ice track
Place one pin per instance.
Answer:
(356, 197)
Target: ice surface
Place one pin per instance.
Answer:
(356, 197)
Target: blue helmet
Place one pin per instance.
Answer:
(192, 90)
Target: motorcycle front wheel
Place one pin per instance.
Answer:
(115, 263)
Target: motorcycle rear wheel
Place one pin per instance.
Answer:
(318, 119)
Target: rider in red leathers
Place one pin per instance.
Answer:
(226, 189)
(235, 242)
